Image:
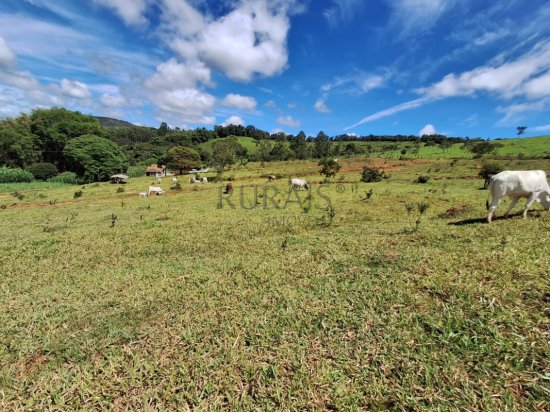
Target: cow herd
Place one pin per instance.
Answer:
(516, 184)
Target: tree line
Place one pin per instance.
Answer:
(50, 141)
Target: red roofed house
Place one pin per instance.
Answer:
(154, 170)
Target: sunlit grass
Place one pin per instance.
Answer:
(182, 305)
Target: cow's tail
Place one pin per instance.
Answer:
(490, 187)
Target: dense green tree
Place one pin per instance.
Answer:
(263, 150)
(225, 153)
(163, 129)
(280, 151)
(298, 146)
(321, 145)
(329, 167)
(55, 127)
(241, 152)
(17, 146)
(205, 154)
(183, 158)
(94, 158)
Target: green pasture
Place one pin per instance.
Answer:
(109, 301)
(530, 147)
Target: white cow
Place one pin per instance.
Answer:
(174, 180)
(299, 183)
(205, 180)
(531, 184)
(156, 190)
(194, 180)
(143, 194)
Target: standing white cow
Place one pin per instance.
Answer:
(299, 183)
(174, 180)
(156, 190)
(531, 184)
(205, 180)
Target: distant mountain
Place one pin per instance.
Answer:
(110, 123)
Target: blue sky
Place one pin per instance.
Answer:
(457, 67)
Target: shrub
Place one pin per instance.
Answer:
(43, 171)
(136, 171)
(488, 170)
(422, 179)
(372, 174)
(18, 195)
(15, 175)
(120, 190)
(329, 167)
(65, 177)
(77, 194)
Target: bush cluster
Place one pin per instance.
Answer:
(15, 175)
(43, 171)
(372, 174)
(65, 177)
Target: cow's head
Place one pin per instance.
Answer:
(306, 186)
(544, 198)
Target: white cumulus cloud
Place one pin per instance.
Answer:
(131, 11)
(240, 102)
(427, 130)
(109, 100)
(321, 106)
(175, 75)
(74, 88)
(288, 121)
(249, 40)
(190, 105)
(234, 120)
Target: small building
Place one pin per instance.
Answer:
(118, 178)
(156, 171)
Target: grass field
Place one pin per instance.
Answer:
(109, 301)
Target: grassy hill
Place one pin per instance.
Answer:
(529, 147)
(111, 123)
(247, 142)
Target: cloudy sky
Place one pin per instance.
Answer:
(458, 67)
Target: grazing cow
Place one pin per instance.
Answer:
(531, 184)
(299, 183)
(205, 180)
(143, 194)
(174, 180)
(271, 178)
(156, 190)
